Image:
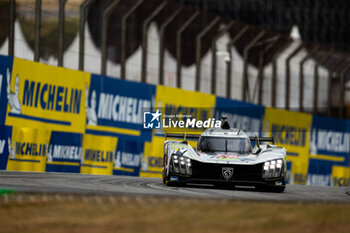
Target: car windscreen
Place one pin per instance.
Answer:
(222, 144)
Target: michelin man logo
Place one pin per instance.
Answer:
(151, 120)
(313, 146)
(144, 164)
(12, 97)
(82, 159)
(117, 160)
(11, 148)
(90, 111)
(49, 153)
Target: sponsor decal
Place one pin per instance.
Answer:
(278, 183)
(174, 178)
(227, 156)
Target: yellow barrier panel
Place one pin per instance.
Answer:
(99, 152)
(174, 101)
(42, 96)
(340, 176)
(28, 149)
(291, 130)
(152, 162)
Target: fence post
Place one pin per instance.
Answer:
(82, 19)
(213, 55)
(289, 58)
(61, 31)
(178, 47)
(342, 90)
(123, 39)
(37, 30)
(162, 43)
(274, 72)
(145, 41)
(301, 76)
(105, 18)
(229, 63)
(331, 70)
(316, 79)
(198, 51)
(245, 65)
(11, 35)
(261, 68)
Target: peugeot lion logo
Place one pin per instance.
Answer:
(227, 172)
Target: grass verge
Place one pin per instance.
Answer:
(67, 213)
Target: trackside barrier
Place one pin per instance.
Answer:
(59, 120)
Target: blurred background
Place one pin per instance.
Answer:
(285, 54)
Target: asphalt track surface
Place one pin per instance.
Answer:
(123, 185)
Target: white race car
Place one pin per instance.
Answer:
(225, 156)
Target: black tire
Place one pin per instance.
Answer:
(165, 177)
(166, 180)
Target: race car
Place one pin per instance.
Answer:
(225, 156)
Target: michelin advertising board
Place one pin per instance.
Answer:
(240, 115)
(58, 120)
(114, 111)
(329, 152)
(51, 120)
(179, 104)
(291, 130)
(42, 96)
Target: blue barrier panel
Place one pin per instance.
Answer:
(241, 115)
(114, 108)
(329, 149)
(64, 152)
(5, 93)
(128, 157)
(5, 143)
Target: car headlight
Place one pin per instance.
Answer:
(181, 165)
(272, 169)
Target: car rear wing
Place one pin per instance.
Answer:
(182, 136)
(262, 139)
